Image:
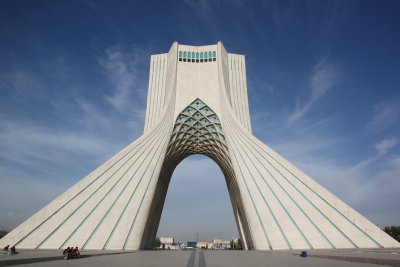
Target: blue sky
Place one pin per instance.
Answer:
(323, 84)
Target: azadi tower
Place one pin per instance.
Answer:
(197, 104)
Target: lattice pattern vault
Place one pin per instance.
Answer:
(198, 130)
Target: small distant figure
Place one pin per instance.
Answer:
(6, 248)
(12, 251)
(76, 253)
(70, 253)
(65, 253)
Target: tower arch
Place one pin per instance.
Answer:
(197, 130)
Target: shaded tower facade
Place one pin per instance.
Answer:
(197, 104)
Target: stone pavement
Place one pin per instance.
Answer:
(201, 258)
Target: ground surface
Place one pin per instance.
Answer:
(201, 258)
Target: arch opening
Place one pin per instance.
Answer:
(197, 130)
(197, 201)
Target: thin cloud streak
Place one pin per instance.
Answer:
(385, 116)
(125, 71)
(321, 82)
(382, 148)
(23, 143)
(384, 145)
(356, 184)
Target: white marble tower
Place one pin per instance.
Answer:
(197, 104)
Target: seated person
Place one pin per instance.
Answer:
(76, 253)
(12, 251)
(65, 252)
(70, 253)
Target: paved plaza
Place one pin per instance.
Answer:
(202, 258)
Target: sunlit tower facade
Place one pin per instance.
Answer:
(197, 104)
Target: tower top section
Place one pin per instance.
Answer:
(204, 72)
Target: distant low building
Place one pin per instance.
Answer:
(192, 244)
(203, 245)
(168, 242)
(220, 244)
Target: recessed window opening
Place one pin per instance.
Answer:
(197, 56)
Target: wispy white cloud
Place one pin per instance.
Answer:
(124, 67)
(23, 82)
(24, 85)
(383, 146)
(56, 129)
(365, 190)
(48, 160)
(309, 144)
(373, 195)
(322, 80)
(265, 86)
(386, 115)
(26, 144)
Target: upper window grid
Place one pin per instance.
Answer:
(197, 56)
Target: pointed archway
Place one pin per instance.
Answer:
(197, 130)
(197, 205)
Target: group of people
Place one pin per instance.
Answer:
(9, 250)
(71, 253)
